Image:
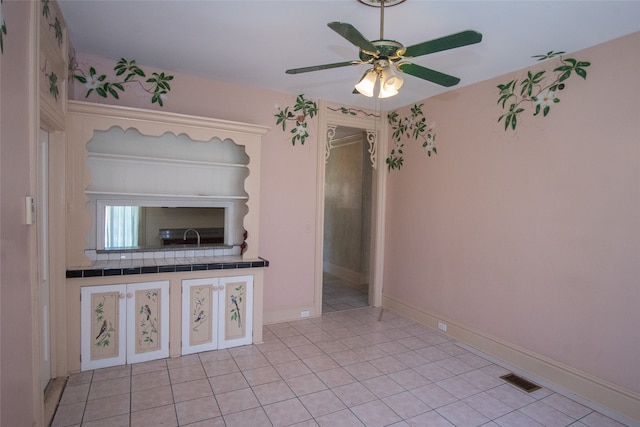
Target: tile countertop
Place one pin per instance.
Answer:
(121, 267)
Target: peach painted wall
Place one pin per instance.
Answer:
(17, 399)
(288, 173)
(530, 236)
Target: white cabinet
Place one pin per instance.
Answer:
(217, 313)
(124, 323)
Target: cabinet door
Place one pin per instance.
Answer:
(199, 315)
(147, 321)
(102, 329)
(235, 302)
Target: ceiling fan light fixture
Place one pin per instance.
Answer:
(387, 93)
(367, 84)
(390, 81)
(386, 90)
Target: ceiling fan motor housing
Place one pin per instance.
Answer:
(389, 49)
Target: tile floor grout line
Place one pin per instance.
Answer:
(359, 323)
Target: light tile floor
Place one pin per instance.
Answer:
(346, 368)
(338, 294)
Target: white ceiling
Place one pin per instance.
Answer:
(253, 42)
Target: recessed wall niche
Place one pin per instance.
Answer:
(131, 169)
(133, 157)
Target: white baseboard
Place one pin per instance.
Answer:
(613, 401)
(288, 315)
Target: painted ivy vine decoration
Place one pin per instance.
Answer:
(53, 85)
(534, 89)
(352, 111)
(129, 73)
(55, 24)
(3, 29)
(414, 126)
(304, 108)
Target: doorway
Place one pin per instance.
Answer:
(347, 222)
(335, 120)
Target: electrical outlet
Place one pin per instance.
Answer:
(304, 313)
(442, 326)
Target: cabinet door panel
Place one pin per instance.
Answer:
(148, 321)
(199, 315)
(102, 328)
(236, 308)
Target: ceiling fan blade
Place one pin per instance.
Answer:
(428, 74)
(452, 41)
(354, 36)
(322, 67)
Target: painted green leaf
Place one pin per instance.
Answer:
(565, 76)
(507, 122)
(45, 8)
(581, 72)
(58, 31)
(113, 93)
(537, 110)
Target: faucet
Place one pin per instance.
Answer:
(184, 237)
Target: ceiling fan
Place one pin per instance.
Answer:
(384, 55)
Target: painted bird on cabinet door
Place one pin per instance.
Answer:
(234, 300)
(103, 328)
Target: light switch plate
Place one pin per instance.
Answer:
(29, 207)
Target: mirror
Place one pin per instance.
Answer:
(125, 226)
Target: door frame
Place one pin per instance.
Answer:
(328, 117)
(42, 238)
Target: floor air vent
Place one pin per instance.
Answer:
(520, 382)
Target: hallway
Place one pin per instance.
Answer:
(339, 294)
